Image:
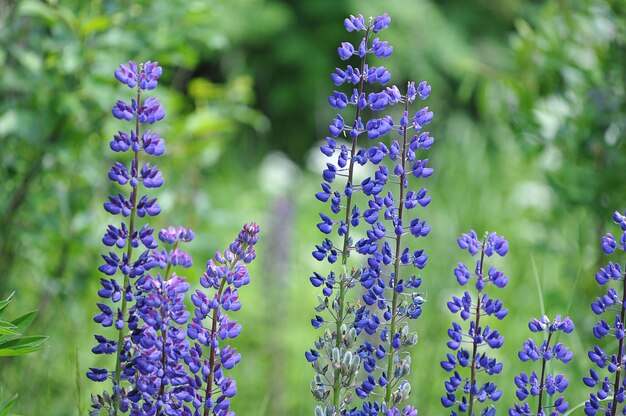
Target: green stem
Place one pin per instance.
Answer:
(337, 381)
(166, 275)
(209, 389)
(164, 330)
(129, 252)
(470, 404)
(542, 386)
(396, 271)
(338, 343)
(620, 353)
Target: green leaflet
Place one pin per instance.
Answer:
(5, 303)
(12, 343)
(6, 404)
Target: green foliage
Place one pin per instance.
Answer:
(6, 403)
(566, 95)
(57, 90)
(12, 342)
(529, 102)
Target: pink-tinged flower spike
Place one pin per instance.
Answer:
(607, 379)
(470, 346)
(211, 326)
(535, 385)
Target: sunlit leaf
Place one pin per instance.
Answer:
(6, 328)
(23, 342)
(5, 303)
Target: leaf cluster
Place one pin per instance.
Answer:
(12, 342)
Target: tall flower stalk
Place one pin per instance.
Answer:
(472, 344)
(129, 236)
(208, 358)
(545, 384)
(337, 357)
(333, 382)
(391, 289)
(612, 385)
(157, 371)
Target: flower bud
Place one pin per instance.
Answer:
(335, 357)
(355, 364)
(405, 331)
(318, 367)
(346, 363)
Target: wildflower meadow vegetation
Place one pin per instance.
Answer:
(262, 208)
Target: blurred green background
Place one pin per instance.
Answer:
(529, 101)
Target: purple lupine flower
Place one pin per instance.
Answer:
(470, 347)
(152, 143)
(536, 385)
(210, 325)
(160, 347)
(354, 23)
(390, 294)
(608, 381)
(128, 236)
(156, 371)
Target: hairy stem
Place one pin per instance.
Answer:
(209, 388)
(470, 404)
(129, 252)
(543, 374)
(620, 353)
(345, 250)
(396, 270)
(164, 330)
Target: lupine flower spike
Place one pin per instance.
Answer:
(337, 357)
(128, 236)
(156, 369)
(209, 357)
(610, 362)
(471, 345)
(391, 297)
(545, 383)
(162, 373)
